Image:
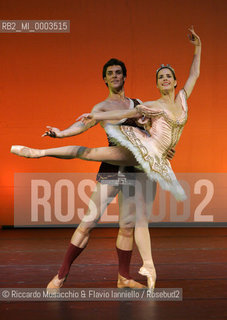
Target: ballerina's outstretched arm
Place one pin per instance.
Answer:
(86, 118)
(195, 67)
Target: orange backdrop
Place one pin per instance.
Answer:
(50, 79)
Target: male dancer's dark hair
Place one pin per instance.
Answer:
(114, 62)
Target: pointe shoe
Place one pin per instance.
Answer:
(150, 273)
(27, 152)
(123, 282)
(55, 284)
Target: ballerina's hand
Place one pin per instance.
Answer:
(85, 118)
(193, 37)
(52, 132)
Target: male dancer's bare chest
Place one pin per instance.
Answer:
(117, 104)
(111, 105)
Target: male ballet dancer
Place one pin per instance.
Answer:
(114, 75)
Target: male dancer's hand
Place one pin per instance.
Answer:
(52, 132)
(170, 154)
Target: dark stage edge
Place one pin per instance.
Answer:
(194, 259)
(115, 225)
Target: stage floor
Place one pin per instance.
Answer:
(194, 259)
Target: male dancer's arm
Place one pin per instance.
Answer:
(75, 129)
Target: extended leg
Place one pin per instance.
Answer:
(113, 155)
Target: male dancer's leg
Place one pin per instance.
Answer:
(81, 236)
(126, 231)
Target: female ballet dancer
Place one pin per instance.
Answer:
(163, 121)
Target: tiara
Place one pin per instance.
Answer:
(168, 66)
